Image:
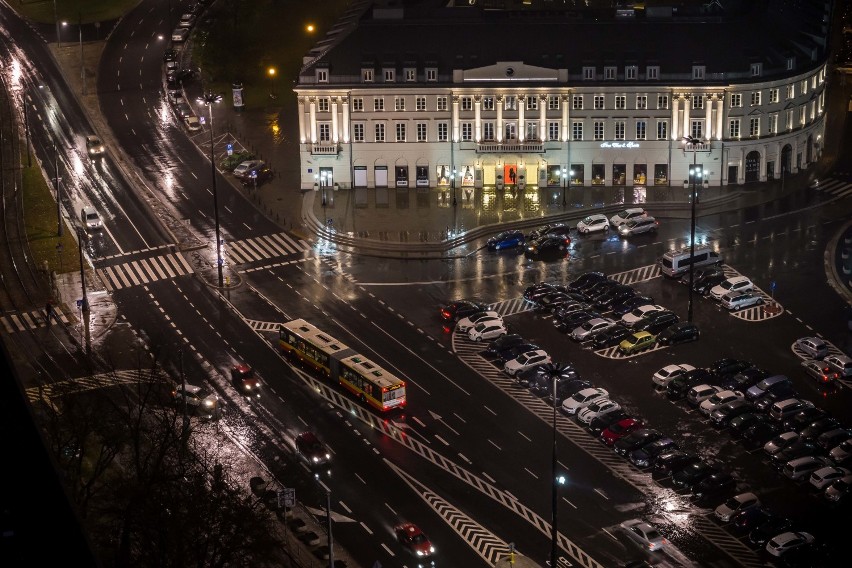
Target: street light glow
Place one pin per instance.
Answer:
(271, 71)
(310, 28)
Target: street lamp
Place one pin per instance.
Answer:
(271, 72)
(564, 175)
(210, 99)
(694, 173)
(556, 481)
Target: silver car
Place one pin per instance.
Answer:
(591, 328)
(644, 534)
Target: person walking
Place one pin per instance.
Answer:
(48, 312)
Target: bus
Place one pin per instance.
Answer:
(335, 361)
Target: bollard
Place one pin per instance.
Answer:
(227, 280)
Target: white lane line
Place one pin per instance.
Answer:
(601, 493)
(443, 441)
(489, 478)
(570, 503)
(495, 445)
(366, 528)
(418, 421)
(489, 410)
(531, 473)
(342, 504)
(610, 534)
(522, 434)
(388, 550)
(361, 479)
(391, 508)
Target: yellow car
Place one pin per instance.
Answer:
(636, 342)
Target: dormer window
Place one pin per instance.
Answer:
(610, 73)
(652, 72)
(367, 75)
(756, 69)
(791, 63)
(389, 75)
(698, 72)
(631, 72)
(322, 75)
(588, 73)
(431, 74)
(410, 74)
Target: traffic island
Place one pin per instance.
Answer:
(772, 308)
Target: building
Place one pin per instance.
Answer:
(489, 96)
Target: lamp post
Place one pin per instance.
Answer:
(56, 188)
(210, 99)
(81, 234)
(694, 174)
(271, 73)
(554, 545)
(82, 63)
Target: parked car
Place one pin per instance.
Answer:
(831, 439)
(635, 342)
(704, 285)
(169, 55)
(785, 542)
(644, 534)
(766, 384)
(814, 347)
(700, 273)
(819, 371)
(842, 364)
(770, 527)
(511, 352)
(466, 324)
(690, 475)
(780, 442)
(775, 393)
(526, 361)
(823, 477)
(593, 223)
(656, 322)
(551, 230)
(670, 462)
(745, 379)
(591, 328)
(487, 330)
(506, 240)
(454, 311)
(586, 279)
(627, 305)
(636, 439)
(680, 332)
(179, 35)
(595, 409)
(618, 430)
(582, 399)
(668, 373)
(759, 433)
(788, 407)
(244, 167)
(736, 504)
(192, 123)
(743, 522)
(610, 337)
(575, 319)
(645, 455)
(839, 490)
(720, 398)
(638, 227)
(724, 414)
(741, 300)
(732, 284)
(797, 450)
(626, 215)
(679, 387)
(632, 318)
(256, 177)
(602, 422)
(700, 393)
(613, 295)
(547, 247)
(813, 430)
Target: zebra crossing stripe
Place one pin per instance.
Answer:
(129, 271)
(187, 269)
(149, 272)
(256, 248)
(297, 246)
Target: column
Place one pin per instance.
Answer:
(313, 112)
(720, 118)
(335, 137)
(477, 117)
(675, 116)
(346, 121)
(687, 103)
(455, 118)
(522, 104)
(302, 120)
(741, 168)
(794, 168)
(499, 126)
(542, 113)
(708, 117)
(566, 124)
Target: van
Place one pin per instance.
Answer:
(840, 363)
(802, 468)
(784, 409)
(676, 262)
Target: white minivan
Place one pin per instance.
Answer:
(676, 262)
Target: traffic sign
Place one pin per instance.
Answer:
(201, 119)
(230, 148)
(772, 286)
(287, 497)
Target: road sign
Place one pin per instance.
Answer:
(230, 148)
(772, 286)
(202, 120)
(287, 497)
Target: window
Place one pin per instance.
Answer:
(421, 132)
(588, 73)
(358, 132)
(599, 102)
(400, 132)
(322, 75)
(420, 103)
(532, 103)
(378, 104)
(804, 86)
(631, 72)
(662, 130)
(532, 130)
(431, 74)
(697, 129)
(358, 104)
(443, 130)
(410, 75)
(652, 72)
(734, 128)
(322, 104)
(577, 102)
(609, 73)
(599, 130)
(754, 126)
(467, 103)
(802, 114)
(697, 102)
(487, 103)
(510, 103)
(442, 103)
(755, 98)
(641, 102)
(553, 102)
(773, 96)
(488, 131)
(620, 102)
(380, 132)
(755, 69)
(390, 75)
(698, 72)
(791, 63)
(773, 123)
(324, 131)
(577, 130)
(736, 100)
(466, 131)
(790, 119)
(399, 103)
(619, 130)
(641, 127)
(662, 101)
(367, 75)
(553, 130)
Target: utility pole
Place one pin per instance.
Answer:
(56, 188)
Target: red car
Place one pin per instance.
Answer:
(620, 429)
(244, 380)
(412, 538)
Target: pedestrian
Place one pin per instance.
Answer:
(48, 312)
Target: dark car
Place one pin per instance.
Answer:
(830, 439)
(817, 427)
(629, 304)
(803, 418)
(550, 302)
(552, 230)
(526, 378)
(781, 391)
(739, 424)
(796, 450)
(509, 340)
(679, 386)
(745, 521)
(460, 309)
(645, 456)
(610, 337)
(745, 379)
(604, 421)
(756, 435)
(547, 247)
(507, 240)
(614, 294)
(535, 291)
(690, 475)
(722, 367)
(636, 440)
(598, 288)
(510, 353)
(704, 285)
(311, 450)
(244, 380)
(169, 55)
(769, 528)
(584, 280)
(681, 332)
(574, 320)
(542, 385)
(257, 176)
(671, 462)
(713, 487)
(656, 322)
(721, 417)
(568, 308)
(700, 273)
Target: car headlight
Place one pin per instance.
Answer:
(420, 553)
(327, 456)
(209, 402)
(315, 459)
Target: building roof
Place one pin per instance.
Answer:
(437, 33)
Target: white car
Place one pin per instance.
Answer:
(487, 330)
(787, 541)
(718, 399)
(468, 323)
(631, 318)
(192, 123)
(582, 399)
(825, 476)
(627, 215)
(590, 328)
(186, 21)
(245, 167)
(670, 372)
(593, 223)
(526, 361)
(90, 218)
(735, 504)
(841, 452)
(644, 534)
(599, 407)
(839, 489)
(740, 300)
(813, 346)
(731, 285)
(700, 393)
(180, 35)
(780, 442)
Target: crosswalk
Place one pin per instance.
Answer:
(263, 248)
(32, 319)
(143, 271)
(834, 187)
